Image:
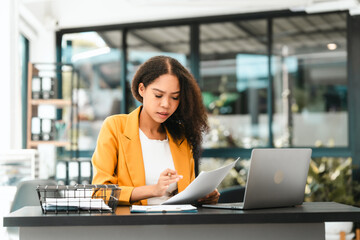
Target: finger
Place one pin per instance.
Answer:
(209, 195)
(176, 176)
(213, 196)
(209, 201)
(169, 172)
(172, 176)
(172, 180)
(168, 181)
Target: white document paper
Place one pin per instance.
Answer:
(163, 208)
(203, 184)
(82, 203)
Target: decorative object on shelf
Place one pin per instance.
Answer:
(36, 88)
(48, 87)
(74, 171)
(47, 129)
(35, 129)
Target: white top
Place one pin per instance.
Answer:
(157, 157)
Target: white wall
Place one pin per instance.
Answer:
(15, 19)
(10, 121)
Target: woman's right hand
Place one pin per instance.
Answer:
(166, 178)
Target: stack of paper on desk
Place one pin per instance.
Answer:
(75, 203)
(163, 209)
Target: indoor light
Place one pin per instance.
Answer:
(331, 46)
(91, 53)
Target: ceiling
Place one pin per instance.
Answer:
(301, 35)
(306, 37)
(61, 14)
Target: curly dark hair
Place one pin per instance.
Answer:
(190, 118)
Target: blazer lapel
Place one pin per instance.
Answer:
(132, 149)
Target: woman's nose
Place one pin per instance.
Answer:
(165, 102)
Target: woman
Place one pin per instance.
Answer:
(150, 152)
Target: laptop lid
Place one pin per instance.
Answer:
(276, 177)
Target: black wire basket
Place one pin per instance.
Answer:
(78, 198)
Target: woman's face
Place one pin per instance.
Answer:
(160, 98)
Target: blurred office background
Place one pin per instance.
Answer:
(272, 74)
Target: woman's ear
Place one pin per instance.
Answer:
(141, 89)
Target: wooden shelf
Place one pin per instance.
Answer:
(55, 143)
(55, 102)
(56, 72)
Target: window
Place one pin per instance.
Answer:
(97, 57)
(310, 81)
(234, 82)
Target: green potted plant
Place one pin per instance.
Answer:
(330, 180)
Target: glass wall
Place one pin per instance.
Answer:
(306, 106)
(234, 82)
(96, 55)
(308, 69)
(146, 43)
(310, 81)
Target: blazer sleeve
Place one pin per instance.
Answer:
(105, 159)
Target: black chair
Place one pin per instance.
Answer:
(232, 194)
(26, 194)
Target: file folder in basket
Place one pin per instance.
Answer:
(78, 198)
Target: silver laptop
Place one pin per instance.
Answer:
(276, 178)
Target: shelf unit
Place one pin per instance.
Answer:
(55, 72)
(72, 168)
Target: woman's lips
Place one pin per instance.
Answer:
(163, 114)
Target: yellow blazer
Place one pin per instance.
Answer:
(118, 156)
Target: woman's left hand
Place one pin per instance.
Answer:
(211, 198)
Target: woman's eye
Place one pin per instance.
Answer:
(175, 98)
(158, 96)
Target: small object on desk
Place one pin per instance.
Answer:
(80, 197)
(186, 208)
(75, 204)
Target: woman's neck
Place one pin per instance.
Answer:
(151, 129)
